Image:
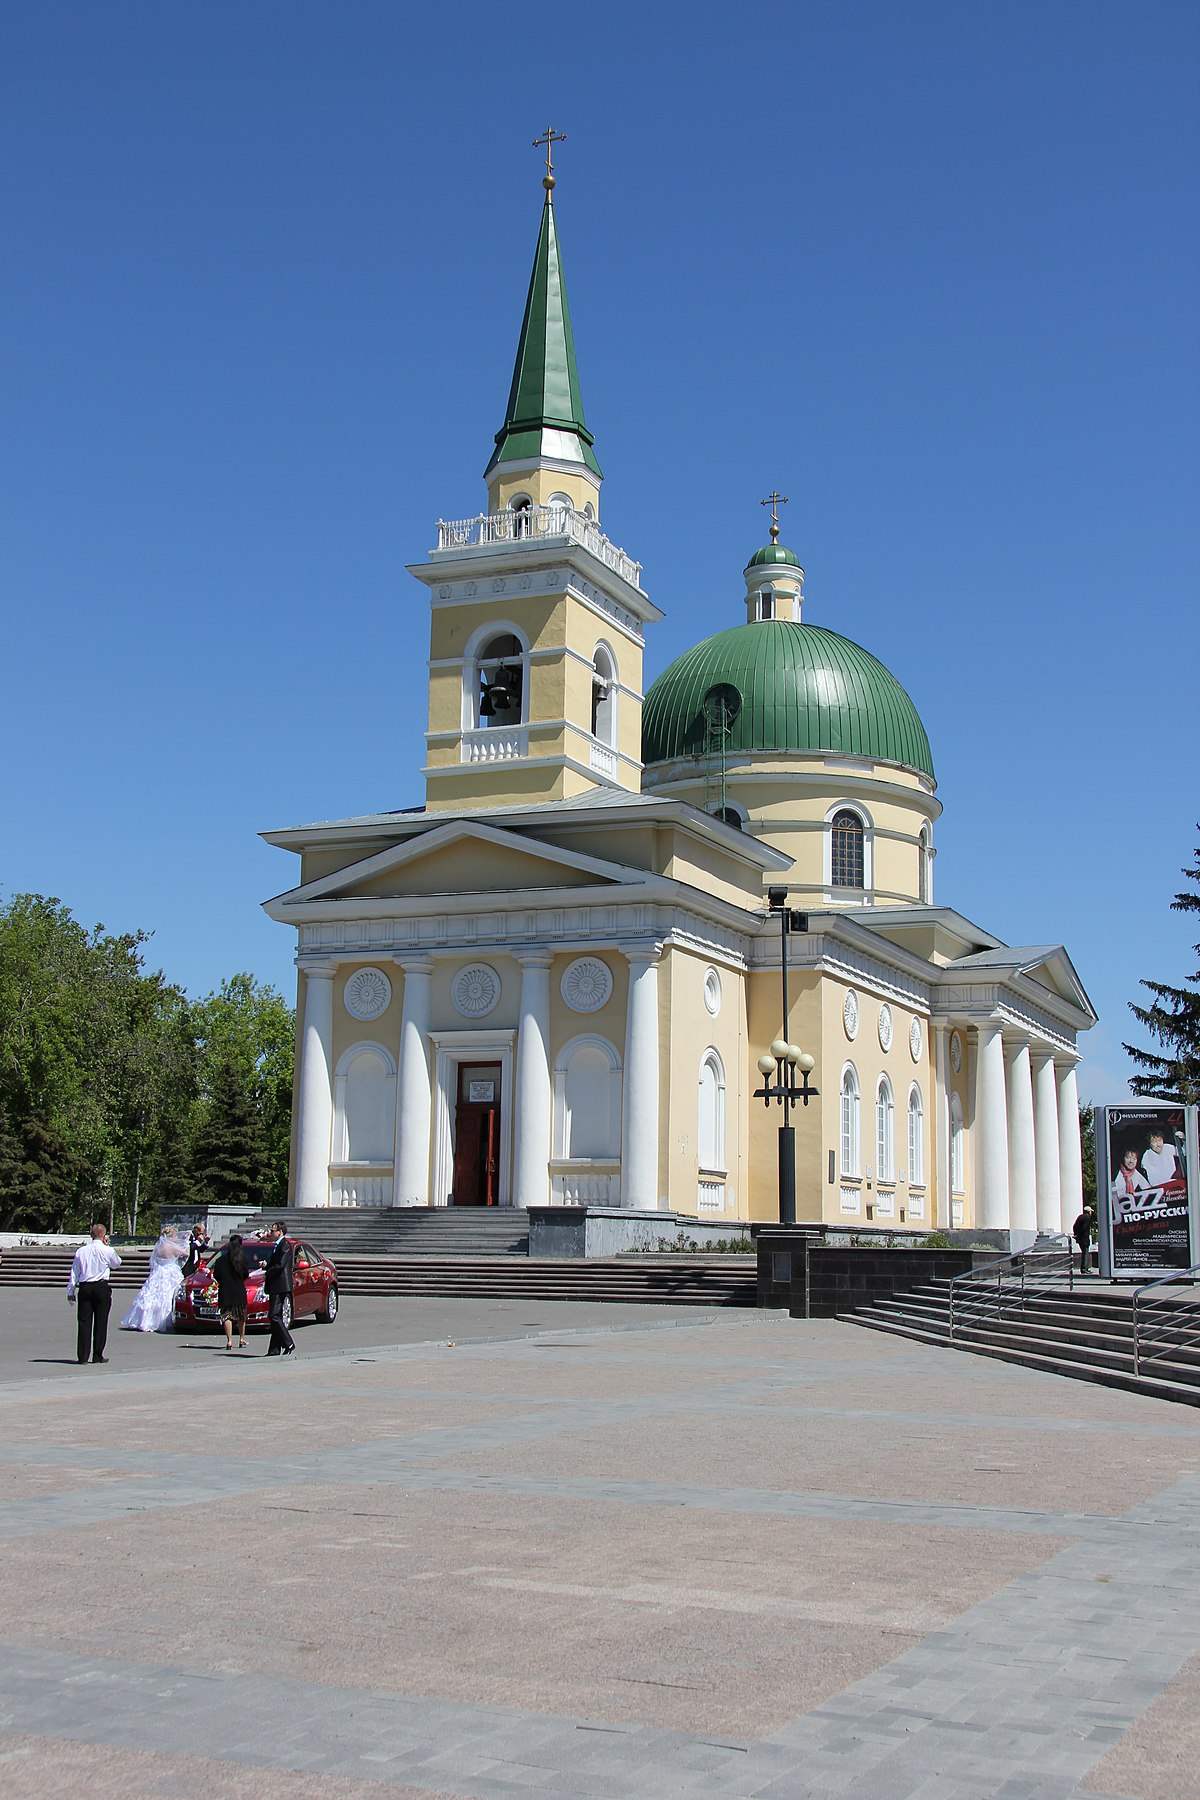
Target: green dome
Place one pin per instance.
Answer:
(771, 554)
(801, 688)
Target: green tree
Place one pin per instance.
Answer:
(1087, 1146)
(1173, 1021)
(227, 1156)
(248, 1027)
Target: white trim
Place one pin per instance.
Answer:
(839, 895)
(850, 1129)
(472, 668)
(885, 1132)
(341, 1147)
(451, 1049)
(916, 1142)
(711, 1059)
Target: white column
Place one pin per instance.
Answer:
(991, 1131)
(531, 1105)
(639, 1135)
(941, 1122)
(1045, 1142)
(1022, 1178)
(414, 1110)
(314, 1111)
(1070, 1150)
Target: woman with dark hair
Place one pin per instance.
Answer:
(229, 1271)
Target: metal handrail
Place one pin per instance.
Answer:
(1004, 1283)
(1173, 1336)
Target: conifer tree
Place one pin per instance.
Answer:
(227, 1156)
(1172, 1073)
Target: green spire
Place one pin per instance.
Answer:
(545, 411)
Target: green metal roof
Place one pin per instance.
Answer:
(771, 554)
(801, 688)
(545, 410)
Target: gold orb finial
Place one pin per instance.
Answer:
(549, 138)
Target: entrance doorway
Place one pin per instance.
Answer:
(477, 1135)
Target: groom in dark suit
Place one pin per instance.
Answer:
(277, 1279)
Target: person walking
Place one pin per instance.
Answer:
(229, 1271)
(277, 1279)
(1081, 1231)
(89, 1292)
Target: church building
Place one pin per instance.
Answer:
(560, 979)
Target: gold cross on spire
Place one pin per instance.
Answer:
(774, 500)
(549, 138)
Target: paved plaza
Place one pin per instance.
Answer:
(474, 1550)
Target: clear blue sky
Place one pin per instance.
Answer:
(931, 269)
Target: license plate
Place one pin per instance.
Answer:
(204, 1312)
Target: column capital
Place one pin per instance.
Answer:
(645, 954)
(321, 971)
(414, 965)
(533, 959)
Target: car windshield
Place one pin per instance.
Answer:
(255, 1254)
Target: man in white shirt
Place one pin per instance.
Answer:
(88, 1288)
(1159, 1164)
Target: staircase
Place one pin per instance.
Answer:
(402, 1230)
(716, 1281)
(1085, 1332)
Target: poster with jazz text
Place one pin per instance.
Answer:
(1147, 1207)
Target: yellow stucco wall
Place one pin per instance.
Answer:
(539, 484)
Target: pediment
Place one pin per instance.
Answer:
(464, 857)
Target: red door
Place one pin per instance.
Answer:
(477, 1135)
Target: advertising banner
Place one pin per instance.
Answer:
(1147, 1186)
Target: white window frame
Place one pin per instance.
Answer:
(604, 669)
(885, 1133)
(925, 872)
(473, 665)
(958, 1173)
(868, 830)
(341, 1076)
(916, 1137)
(561, 1127)
(712, 1060)
(850, 1120)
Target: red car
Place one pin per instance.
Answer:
(314, 1288)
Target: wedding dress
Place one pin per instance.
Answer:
(154, 1308)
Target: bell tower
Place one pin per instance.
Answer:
(537, 618)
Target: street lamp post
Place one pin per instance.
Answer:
(782, 1062)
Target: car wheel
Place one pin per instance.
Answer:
(285, 1312)
(331, 1308)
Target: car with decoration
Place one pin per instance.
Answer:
(314, 1287)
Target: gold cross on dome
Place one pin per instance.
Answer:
(774, 500)
(549, 138)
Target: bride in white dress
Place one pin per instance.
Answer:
(154, 1308)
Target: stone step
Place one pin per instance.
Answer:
(675, 1281)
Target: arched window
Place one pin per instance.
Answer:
(587, 1101)
(957, 1170)
(500, 666)
(925, 871)
(850, 1121)
(885, 1135)
(729, 815)
(916, 1138)
(365, 1105)
(604, 696)
(710, 1129)
(521, 506)
(560, 509)
(846, 868)
(589, 511)
(764, 606)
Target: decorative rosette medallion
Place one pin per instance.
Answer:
(885, 1027)
(586, 984)
(850, 1014)
(367, 994)
(476, 991)
(916, 1039)
(956, 1052)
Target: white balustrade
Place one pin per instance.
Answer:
(360, 1187)
(710, 1196)
(849, 1200)
(603, 759)
(499, 744)
(525, 524)
(585, 1187)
